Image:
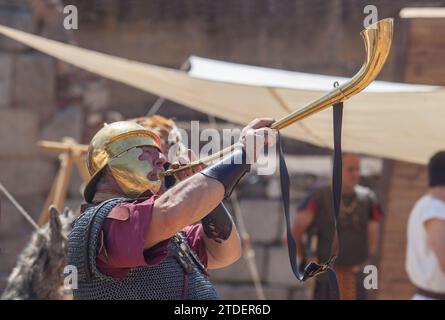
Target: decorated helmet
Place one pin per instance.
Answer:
(116, 146)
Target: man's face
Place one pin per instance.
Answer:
(157, 160)
(351, 171)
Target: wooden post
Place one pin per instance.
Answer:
(66, 167)
(80, 163)
(71, 153)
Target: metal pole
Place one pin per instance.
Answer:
(248, 252)
(19, 208)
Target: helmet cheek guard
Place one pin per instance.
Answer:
(131, 174)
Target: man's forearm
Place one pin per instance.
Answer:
(182, 205)
(192, 199)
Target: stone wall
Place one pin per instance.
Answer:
(40, 98)
(316, 36)
(394, 283)
(27, 101)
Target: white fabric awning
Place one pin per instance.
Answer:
(267, 77)
(397, 121)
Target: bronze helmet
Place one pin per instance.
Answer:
(115, 146)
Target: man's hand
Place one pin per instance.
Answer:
(256, 135)
(182, 161)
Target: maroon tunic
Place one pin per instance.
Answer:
(122, 245)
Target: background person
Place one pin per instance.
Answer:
(425, 252)
(358, 231)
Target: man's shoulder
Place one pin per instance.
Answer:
(365, 192)
(123, 206)
(428, 203)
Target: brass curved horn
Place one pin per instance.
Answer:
(377, 39)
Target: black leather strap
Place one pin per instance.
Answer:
(229, 170)
(217, 225)
(314, 269)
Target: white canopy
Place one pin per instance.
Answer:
(398, 121)
(267, 77)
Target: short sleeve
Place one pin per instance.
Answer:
(122, 245)
(436, 210)
(375, 211)
(310, 202)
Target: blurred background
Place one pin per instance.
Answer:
(44, 99)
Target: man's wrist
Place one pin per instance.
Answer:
(229, 170)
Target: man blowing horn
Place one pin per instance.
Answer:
(140, 239)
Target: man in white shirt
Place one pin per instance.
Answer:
(425, 258)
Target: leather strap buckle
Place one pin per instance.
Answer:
(313, 268)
